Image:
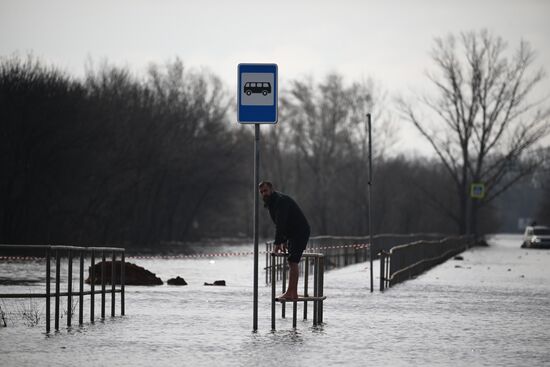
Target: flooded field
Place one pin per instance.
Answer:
(492, 308)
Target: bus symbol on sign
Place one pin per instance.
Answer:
(259, 87)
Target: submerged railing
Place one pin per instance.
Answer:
(70, 252)
(342, 251)
(406, 261)
(313, 264)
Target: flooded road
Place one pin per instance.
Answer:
(491, 309)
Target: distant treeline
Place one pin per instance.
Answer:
(115, 158)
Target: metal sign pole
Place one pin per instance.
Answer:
(257, 101)
(370, 203)
(256, 225)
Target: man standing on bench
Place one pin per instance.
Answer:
(291, 227)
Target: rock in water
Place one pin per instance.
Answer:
(133, 274)
(481, 243)
(177, 281)
(217, 282)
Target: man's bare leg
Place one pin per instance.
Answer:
(292, 290)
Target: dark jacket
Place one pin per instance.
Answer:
(289, 220)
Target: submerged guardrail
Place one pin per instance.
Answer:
(342, 251)
(68, 252)
(408, 260)
(316, 265)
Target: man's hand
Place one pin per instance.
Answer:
(281, 247)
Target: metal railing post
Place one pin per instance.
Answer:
(294, 312)
(103, 285)
(70, 288)
(315, 288)
(283, 307)
(113, 285)
(387, 277)
(81, 289)
(346, 262)
(321, 285)
(266, 263)
(306, 276)
(279, 266)
(57, 276)
(48, 280)
(92, 287)
(382, 272)
(122, 282)
(273, 281)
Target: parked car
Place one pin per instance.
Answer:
(536, 237)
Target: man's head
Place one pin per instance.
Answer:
(266, 189)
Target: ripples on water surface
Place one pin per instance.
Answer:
(480, 313)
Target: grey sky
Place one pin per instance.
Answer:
(387, 40)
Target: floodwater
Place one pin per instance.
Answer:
(492, 309)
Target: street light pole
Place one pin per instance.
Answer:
(371, 248)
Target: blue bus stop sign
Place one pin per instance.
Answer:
(257, 94)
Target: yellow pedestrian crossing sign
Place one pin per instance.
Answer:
(477, 190)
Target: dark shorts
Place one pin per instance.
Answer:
(296, 247)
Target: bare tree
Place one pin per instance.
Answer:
(327, 131)
(486, 118)
(368, 97)
(318, 116)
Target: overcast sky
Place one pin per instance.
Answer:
(387, 40)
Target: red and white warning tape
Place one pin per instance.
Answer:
(27, 258)
(198, 256)
(246, 253)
